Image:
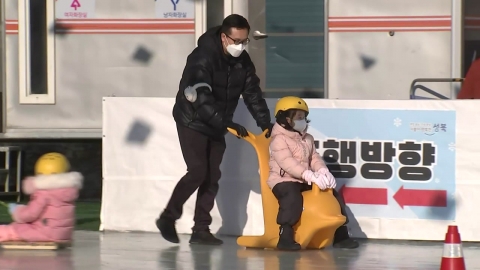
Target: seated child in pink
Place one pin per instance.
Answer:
(50, 214)
(294, 166)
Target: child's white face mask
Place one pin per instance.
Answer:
(300, 125)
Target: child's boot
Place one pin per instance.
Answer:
(287, 239)
(342, 239)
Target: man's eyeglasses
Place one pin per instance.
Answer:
(237, 42)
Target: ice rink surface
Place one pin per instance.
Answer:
(145, 251)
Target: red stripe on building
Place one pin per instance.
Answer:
(117, 26)
(392, 23)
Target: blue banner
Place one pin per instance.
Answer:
(390, 163)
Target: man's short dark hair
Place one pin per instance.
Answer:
(234, 21)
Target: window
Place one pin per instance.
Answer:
(36, 20)
(215, 10)
(295, 49)
(200, 19)
(2, 48)
(2, 65)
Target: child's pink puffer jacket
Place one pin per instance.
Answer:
(290, 155)
(50, 214)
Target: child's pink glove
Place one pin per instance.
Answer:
(324, 173)
(308, 176)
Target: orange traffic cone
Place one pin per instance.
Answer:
(452, 258)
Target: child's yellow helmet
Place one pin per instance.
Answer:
(52, 163)
(290, 102)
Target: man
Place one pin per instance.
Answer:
(471, 84)
(217, 72)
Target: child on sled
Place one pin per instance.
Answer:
(50, 214)
(294, 166)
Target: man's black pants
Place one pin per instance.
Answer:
(203, 157)
(290, 201)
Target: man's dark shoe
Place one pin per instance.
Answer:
(342, 239)
(347, 244)
(167, 229)
(204, 238)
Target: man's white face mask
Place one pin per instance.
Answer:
(235, 50)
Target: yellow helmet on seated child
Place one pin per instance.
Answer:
(290, 102)
(52, 163)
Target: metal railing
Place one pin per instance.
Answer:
(6, 172)
(414, 87)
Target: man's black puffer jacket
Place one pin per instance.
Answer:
(229, 77)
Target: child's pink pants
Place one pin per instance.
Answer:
(7, 233)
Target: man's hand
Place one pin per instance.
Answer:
(268, 126)
(241, 130)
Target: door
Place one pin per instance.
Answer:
(291, 60)
(471, 37)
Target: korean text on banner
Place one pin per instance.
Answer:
(74, 9)
(175, 9)
(390, 163)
